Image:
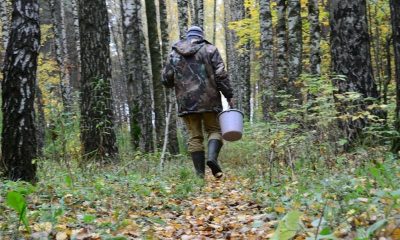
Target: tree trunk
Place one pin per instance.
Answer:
(61, 53)
(295, 46)
(67, 64)
(215, 22)
(137, 66)
(156, 68)
(281, 41)
(243, 86)
(119, 72)
(268, 87)
(77, 64)
(97, 117)
(388, 73)
(40, 122)
(315, 38)
(5, 23)
(19, 146)
(229, 42)
(350, 51)
(173, 144)
(395, 19)
(198, 13)
(183, 20)
(238, 61)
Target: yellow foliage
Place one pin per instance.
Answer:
(248, 29)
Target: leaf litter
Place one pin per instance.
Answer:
(183, 207)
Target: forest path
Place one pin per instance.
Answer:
(224, 209)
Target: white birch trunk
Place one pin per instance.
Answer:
(5, 23)
(295, 46)
(76, 34)
(268, 88)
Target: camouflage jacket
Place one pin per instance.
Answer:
(197, 72)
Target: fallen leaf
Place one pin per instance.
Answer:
(61, 236)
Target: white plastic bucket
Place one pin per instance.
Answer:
(231, 122)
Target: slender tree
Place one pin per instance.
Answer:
(77, 63)
(5, 28)
(97, 118)
(315, 37)
(183, 19)
(350, 51)
(281, 40)
(388, 68)
(238, 61)
(156, 68)
(60, 39)
(295, 46)
(197, 12)
(268, 86)
(5, 23)
(215, 22)
(139, 78)
(119, 81)
(395, 20)
(173, 144)
(4, 16)
(230, 39)
(40, 122)
(19, 146)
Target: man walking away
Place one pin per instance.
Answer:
(197, 72)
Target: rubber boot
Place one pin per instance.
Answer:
(214, 146)
(199, 163)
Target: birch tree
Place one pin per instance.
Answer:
(281, 40)
(5, 23)
(214, 22)
(139, 78)
(198, 12)
(183, 18)
(19, 146)
(350, 51)
(97, 117)
(172, 145)
(238, 60)
(295, 46)
(230, 39)
(60, 39)
(268, 86)
(75, 16)
(156, 68)
(315, 37)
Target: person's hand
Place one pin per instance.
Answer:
(231, 102)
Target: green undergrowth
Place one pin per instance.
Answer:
(339, 194)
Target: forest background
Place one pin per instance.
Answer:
(317, 81)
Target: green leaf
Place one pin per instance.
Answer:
(374, 172)
(88, 218)
(68, 181)
(342, 142)
(325, 231)
(157, 220)
(288, 226)
(16, 201)
(376, 226)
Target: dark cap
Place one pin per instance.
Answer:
(195, 31)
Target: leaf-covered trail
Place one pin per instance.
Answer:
(176, 205)
(222, 210)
